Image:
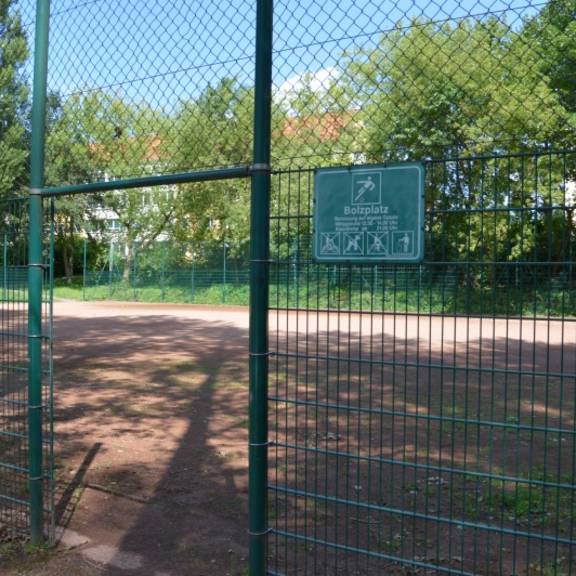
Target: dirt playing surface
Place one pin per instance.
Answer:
(436, 444)
(151, 429)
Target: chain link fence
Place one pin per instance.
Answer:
(421, 419)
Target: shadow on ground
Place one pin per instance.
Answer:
(151, 438)
(442, 442)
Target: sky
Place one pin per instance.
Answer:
(164, 51)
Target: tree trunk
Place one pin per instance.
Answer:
(68, 257)
(128, 261)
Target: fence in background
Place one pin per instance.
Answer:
(160, 274)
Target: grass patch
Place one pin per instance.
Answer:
(405, 294)
(212, 295)
(534, 505)
(17, 550)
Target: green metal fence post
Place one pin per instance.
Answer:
(5, 268)
(259, 278)
(110, 268)
(84, 260)
(193, 279)
(134, 272)
(224, 274)
(35, 274)
(163, 273)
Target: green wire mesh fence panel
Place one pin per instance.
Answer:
(49, 472)
(14, 455)
(422, 420)
(422, 417)
(14, 488)
(164, 270)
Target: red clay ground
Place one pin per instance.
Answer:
(152, 435)
(437, 444)
(151, 440)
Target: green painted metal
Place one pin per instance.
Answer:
(84, 266)
(164, 271)
(14, 438)
(224, 272)
(367, 214)
(111, 269)
(162, 274)
(193, 279)
(259, 279)
(134, 275)
(50, 515)
(148, 181)
(419, 413)
(35, 275)
(422, 415)
(4, 267)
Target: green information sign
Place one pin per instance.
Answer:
(369, 214)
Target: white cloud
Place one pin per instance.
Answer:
(318, 82)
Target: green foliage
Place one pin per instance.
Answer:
(13, 101)
(427, 90)
(553, 35)
(435, 91)
(215, 129)
(330, 288)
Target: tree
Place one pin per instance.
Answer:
(553, 34)
(99, 136)
(214, 130)
(13, 101)
(465, 89)
(67, 161)
(315, 121)
(437, 91)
